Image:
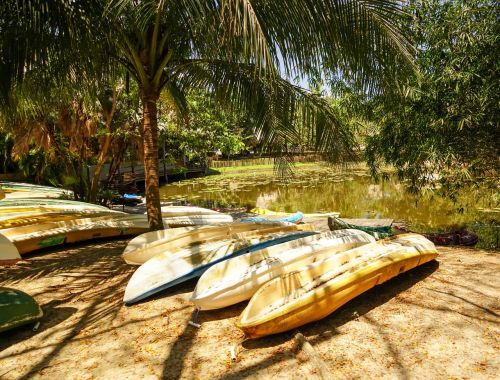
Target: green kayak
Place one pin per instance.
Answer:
(17, 308)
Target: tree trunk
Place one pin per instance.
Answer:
(151, 170)
(98, 168)
(104, 150)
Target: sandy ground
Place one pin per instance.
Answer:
(438, 321)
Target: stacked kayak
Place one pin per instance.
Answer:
(167, 269)
(316, 290)
(16, 190)
(237, 279)
(17, 308)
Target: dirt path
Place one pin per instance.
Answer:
(440, 320)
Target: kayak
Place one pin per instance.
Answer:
(145, 246)
(316, 290)
(187, 210)
(265, 211)
(8, 252)
(17, 308)
(237, 279)
(293, 218)
(31, 218)
(168, 269)
(32, 237)
(378, 228)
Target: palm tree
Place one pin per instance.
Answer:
(236, 49)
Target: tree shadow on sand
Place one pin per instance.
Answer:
(79, 273)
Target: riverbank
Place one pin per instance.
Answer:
(440, 320)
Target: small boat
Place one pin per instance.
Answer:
(265, 211)
(8, 252)
(46, 206)
(145, 246)
(315, 291)
(17, 308)
(168, 269)
(14, 190)
(31, 218)
(378, 228)
(293, 218)
(237, 279)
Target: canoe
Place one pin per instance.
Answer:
(144, 247)
(237, 279)
(265, 211)
(315, 291)
(168, 269)
(17, 308)
(293, 218)
(8, 252)
(378, 228)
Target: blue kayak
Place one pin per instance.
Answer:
(294, 218)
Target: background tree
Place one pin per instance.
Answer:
(442, 128)
(232, 49)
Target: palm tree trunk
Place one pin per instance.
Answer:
(151, 170)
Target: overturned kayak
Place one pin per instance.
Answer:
(17, 308)
(31, 237)
(168, 269)
(13, 190)
(313, 292)
(237, 279)
(8, 252)
(31, 218)
(146, 246)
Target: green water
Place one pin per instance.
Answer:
(351, 192)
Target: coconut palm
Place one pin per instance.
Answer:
(237, 49)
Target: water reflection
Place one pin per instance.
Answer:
(353, 193)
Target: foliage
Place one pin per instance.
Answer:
(206, 130)
(442, 128)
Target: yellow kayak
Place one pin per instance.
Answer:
(315, 291)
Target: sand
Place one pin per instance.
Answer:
(438, 321)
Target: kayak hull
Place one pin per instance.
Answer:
(17, 308)
(314, 292)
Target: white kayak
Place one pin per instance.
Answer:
(168, 269)
(237, 279)
(8, 252)
(145, 246)
(186, 210)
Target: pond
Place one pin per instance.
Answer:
(352, 192)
